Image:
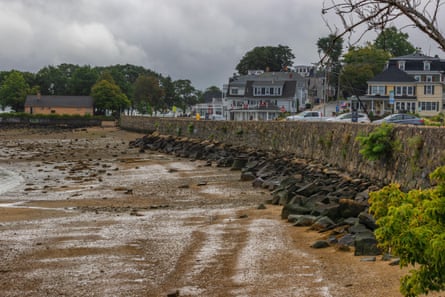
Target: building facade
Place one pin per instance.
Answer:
(412, 83)
(63, 105)
(263, 95)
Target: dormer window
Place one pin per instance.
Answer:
(426, 65)
(429, 78)
(401, 65)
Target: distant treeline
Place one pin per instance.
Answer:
(145, 89)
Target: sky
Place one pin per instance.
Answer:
(199, 40)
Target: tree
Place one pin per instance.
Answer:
(395, 42)
(368, 15)
(148, 94)
(267, 58)
(108, 96)
(360, 65)
(169, 92)
(55, 80)
(186, 95)
(82, 80)
(125, 76)
(412, 226)
(331, 48)
(13, 91)
(210, 93)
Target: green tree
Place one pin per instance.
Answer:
(125, 76)
(148, 94)
(210, 93)
(108, 96)
(13, 91)
(186, 95)
(412, 227)
(360, 65)
(272, 58)
(55, 80)
(331, 49)
(169, 92)
(395, 42)
(82, 80)
(106, 75)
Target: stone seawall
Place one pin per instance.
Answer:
(332, 144)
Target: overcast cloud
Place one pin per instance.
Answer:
(200, 40)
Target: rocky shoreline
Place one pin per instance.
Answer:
(311, 194)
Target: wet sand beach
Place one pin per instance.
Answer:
(93, 217)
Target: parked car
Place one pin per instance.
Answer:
(307, 115)
(217, 117)
(347, 117)
(401, 118)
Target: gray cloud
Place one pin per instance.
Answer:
(200, 40)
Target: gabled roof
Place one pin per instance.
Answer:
(59, 101)
(392, 74)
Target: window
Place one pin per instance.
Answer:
(233, 91)
(269, 91)
(428, 106)
(428, 90)
(377, 90)
(404, 90)
(429, 78)
(426, 65)
(417, 77)
(401, 65)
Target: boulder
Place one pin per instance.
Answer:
(302, 220)
(365, 244)
(293, 209)
(319, 244)
(322, 223)
(368, 220)
(350, 208)
(247, 176)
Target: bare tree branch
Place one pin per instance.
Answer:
(367, 15)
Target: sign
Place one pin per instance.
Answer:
(391, 97)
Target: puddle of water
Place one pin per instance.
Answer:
(9, 180)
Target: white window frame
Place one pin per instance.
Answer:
(377, 90)
(428, 90)
(426, 65)
(428, 106)
(404, 90)
(266, 91)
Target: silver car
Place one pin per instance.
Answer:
(401, 118)
(347, 117)
(307, 115)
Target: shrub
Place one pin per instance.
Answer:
(412, 227)
(379, 144)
